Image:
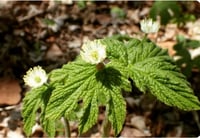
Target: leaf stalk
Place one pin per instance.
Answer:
(67, 127)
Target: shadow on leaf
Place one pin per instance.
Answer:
(109, 77)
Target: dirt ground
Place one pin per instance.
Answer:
(27, 38)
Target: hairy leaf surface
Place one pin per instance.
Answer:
(85, 83)
(115, 51)
(111, 84)
(116, 110)
(90, 114)
(152, 70)
(31, 103)
(65, 98)
(47, 124)
(118, 59)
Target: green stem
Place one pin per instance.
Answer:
(67, 127)
(106, 127)
(145, 37)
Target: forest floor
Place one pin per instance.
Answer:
(27, 39)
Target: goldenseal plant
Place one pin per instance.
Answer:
(149, 26)
(76, 90)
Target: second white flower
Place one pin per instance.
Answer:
(149, 26)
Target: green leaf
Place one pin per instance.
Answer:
(106, 82)
(31, 103)
(152, 70)
(115, 51)
(84, 83)
(37, 99)
(47, 124)
(139, 51)
(167, 10)
(111, 84)
(119, 37)
(49, 127)
(182, 50)
(90, 114)
(65, 98)
(116, 110)
(117, 54)
(58, 75)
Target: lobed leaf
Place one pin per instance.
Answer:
(115, 51)
(31, 103)
(116, 110)
(118, 59)
(152, 70)
(111, 85)
(90, 114)
(49, 127)
(47, 124)
(65, 98)
(84, 83)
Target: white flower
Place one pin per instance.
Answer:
(93, 52)
(35, 77)
(149, 26)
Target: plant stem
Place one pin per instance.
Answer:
(67, 127)
(145, 38)
(106, 127)
(100, 66)
(146, 35)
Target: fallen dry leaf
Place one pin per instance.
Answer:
(15, 134)
(53, 52)
(132, 132)
(168, 45)
(138, 122)
(103, 19)
(9, 91)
